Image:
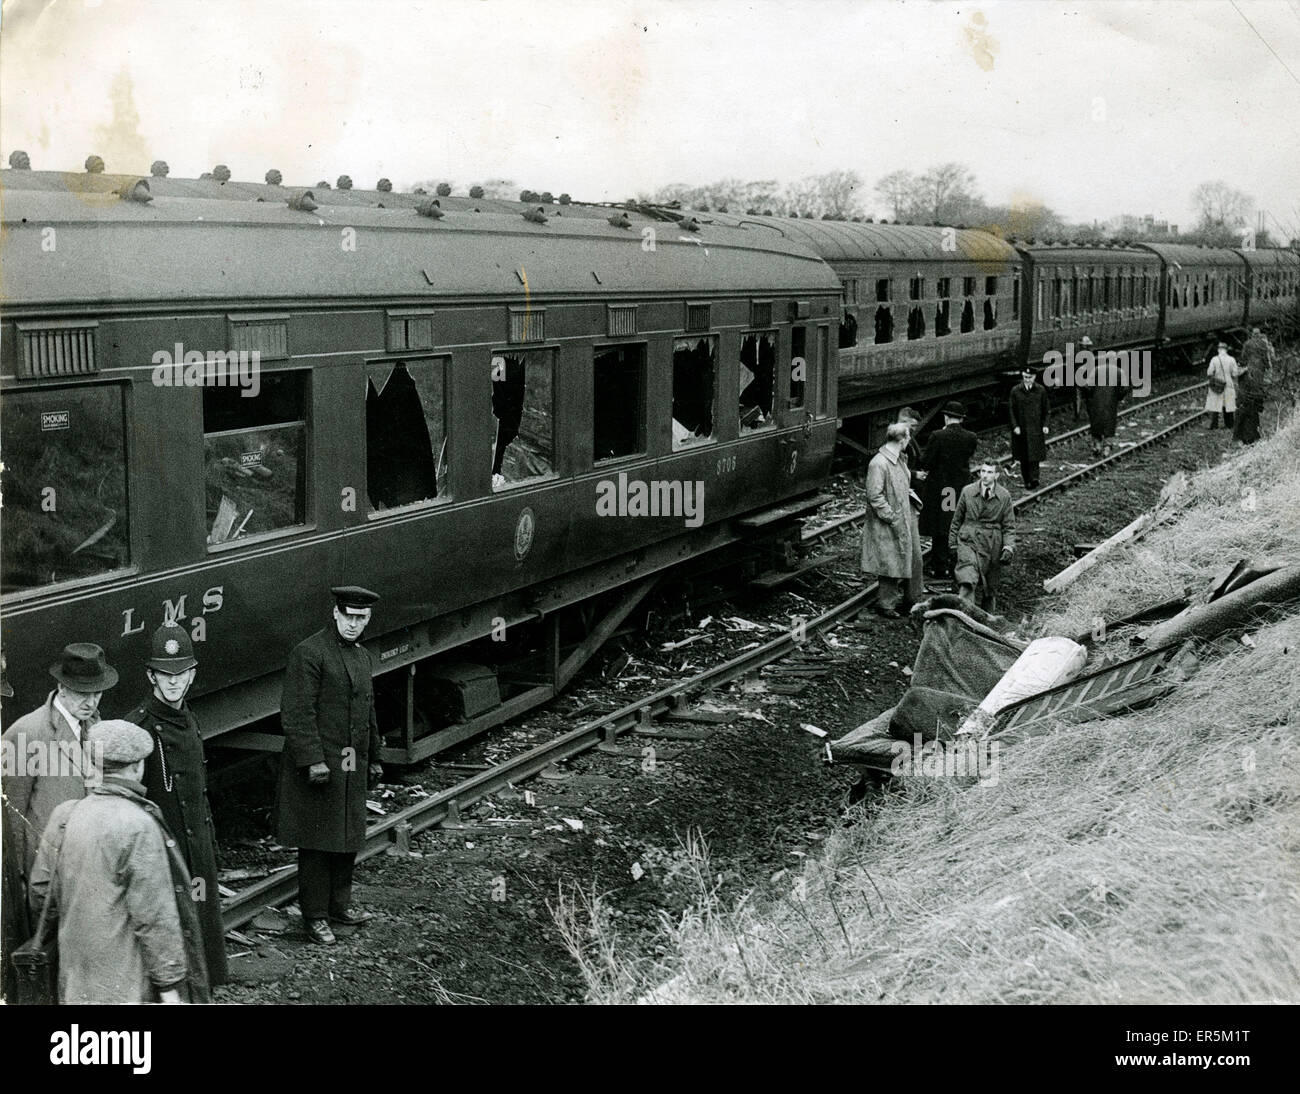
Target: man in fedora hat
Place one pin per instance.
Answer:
(128, 932)
(175, 779)
(947, 464)
(330, 760)
(44, 762)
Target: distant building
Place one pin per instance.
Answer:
(1128, 226)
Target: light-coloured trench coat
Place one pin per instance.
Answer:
(890, 540)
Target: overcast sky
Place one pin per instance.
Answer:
(1094, 108)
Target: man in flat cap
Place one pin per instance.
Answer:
(176, 780)
(45, 763)
(330, 760)
(947, 463)
(128, 931)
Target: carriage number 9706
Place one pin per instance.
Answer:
(726, 464)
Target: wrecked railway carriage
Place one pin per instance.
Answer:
(217, 407)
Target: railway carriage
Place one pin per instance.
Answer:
(1110, 296)
(1273, 285)
(216, 407)
(1203, 291)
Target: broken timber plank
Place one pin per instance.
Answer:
(1067, 576)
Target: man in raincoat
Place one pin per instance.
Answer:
(891, 543)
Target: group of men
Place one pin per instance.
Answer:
(108, 832)
(911, 493)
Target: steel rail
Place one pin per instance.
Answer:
(281, 886)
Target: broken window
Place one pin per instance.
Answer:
(64, 485)
(968, 317)
(942, 318)
(523, 403)
(255, 457)
(942, 286)
(990, 313)
(848, 331)
(915, 323)
(406, 432)
(757, 376)
(694, 389)
(884, 324)
(798, 365)
(618, 402)
(990, 286)
(884, 290)
(916, 288)
(968, 286)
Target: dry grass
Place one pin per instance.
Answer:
(1151, 858)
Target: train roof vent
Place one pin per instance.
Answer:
(135, 190)
(431, 209)
(58, 348)
(537, 216)
(304, 201)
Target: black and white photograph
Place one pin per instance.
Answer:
(652, 502)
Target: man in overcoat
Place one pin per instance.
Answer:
(176, 780)
(1028, 409)
(44, 760)
(983, 537)
(947, 465)
(330, 759)
(1222, 371)
(1102, 399)
(891, 541)
(1250, 403)
(127, 929)
(1257, 353)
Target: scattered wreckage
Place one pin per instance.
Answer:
(973, 683)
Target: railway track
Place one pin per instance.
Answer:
(444, 807)
(821, 531)
(395, 830)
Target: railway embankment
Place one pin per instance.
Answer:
(1150, 857)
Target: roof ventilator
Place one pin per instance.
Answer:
(431, 209)
(621, 220)
(304, 201)
(135, 190)
(536, 216)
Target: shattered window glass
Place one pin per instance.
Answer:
(255, 457)
(757, 376)
(694, 390)
(523, 403)
(406, 432)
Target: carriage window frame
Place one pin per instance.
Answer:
(443, 459)
(131, 565)
(641, 447)
(686, 343)
(526, 350)
(304, 425)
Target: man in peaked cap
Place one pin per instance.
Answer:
(128, 931)
(176, 780)
(330, 760)
(44, 761)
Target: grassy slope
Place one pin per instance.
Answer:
(1152, 858)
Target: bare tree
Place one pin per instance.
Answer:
(899, 188)
(1221, 206)
(947, 192)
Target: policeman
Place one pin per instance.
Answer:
(331, 757)
(176, 779)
